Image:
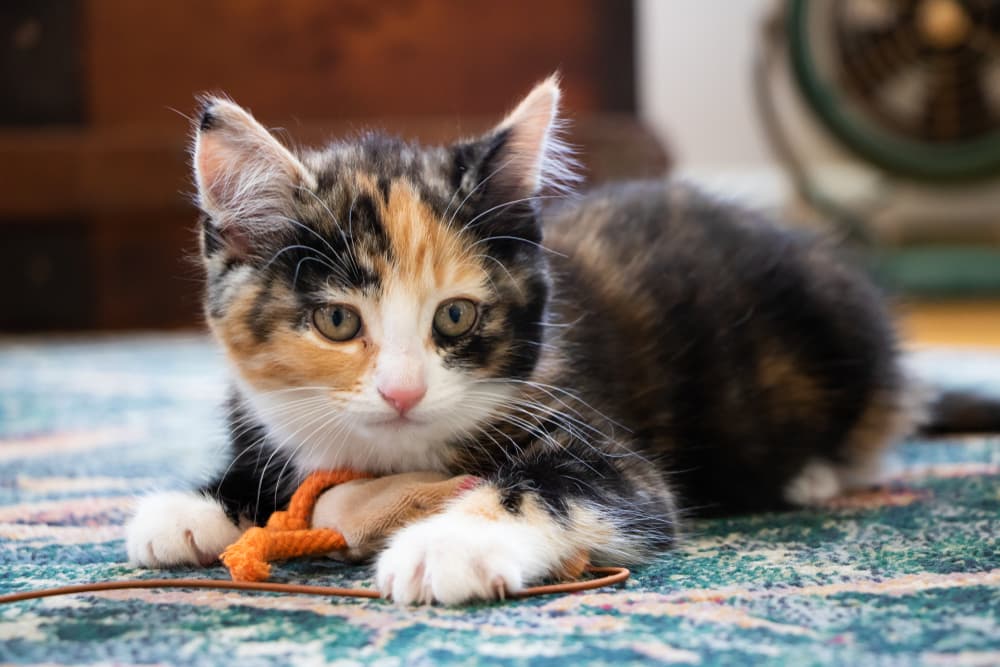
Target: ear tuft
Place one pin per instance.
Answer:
(245, 176)
(534, 154)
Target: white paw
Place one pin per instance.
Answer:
(455, 557)
(178, 528)
(816, 483)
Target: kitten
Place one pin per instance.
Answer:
(390, 307)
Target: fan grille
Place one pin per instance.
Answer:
(912, 86)
(922, 68)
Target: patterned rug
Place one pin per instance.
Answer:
(908, 574)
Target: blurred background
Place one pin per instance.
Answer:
(875, 120)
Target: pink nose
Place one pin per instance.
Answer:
(403, 398)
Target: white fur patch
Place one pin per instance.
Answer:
(338, 434)
(458, 556)
(817, 482)
(178, 528)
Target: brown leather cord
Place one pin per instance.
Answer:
(609, 577)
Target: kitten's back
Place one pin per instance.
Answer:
(740, 350)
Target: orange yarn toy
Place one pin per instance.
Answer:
(288, 534)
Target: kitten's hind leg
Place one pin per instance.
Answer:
(889, 417)
(817, 482)
(892, 415)
(178, 528)
(820, 480)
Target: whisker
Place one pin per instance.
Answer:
(516, 285)
(238, 432)
(298, 265)
(518, 238)
(301, 225)
(326, 260)
(334, 418)
(478, 185)
(512, 202)
(277, 448)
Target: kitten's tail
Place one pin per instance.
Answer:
(961, 411)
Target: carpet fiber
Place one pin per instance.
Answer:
(906, 574)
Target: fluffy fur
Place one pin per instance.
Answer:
(661, 353)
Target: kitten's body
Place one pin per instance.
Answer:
(662, 352)
(736, 351)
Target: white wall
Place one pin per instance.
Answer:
(694, 61)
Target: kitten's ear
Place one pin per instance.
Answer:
(245, 177)
(529, 154)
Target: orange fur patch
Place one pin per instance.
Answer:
(484, 503)
(887, 418)
(288, 357)
(430, 255)
(779, 373)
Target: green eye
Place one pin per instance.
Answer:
(337, 322)
(454, 318)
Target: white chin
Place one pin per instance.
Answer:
(395, 425)
(388, 445)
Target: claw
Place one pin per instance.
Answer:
(499, 588)
(204, 558)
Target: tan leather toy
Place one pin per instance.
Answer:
(341, 513)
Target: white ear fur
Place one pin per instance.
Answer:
(244, 175)
(534, 156)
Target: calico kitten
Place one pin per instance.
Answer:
(390, 307)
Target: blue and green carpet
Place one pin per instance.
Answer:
(905, 574)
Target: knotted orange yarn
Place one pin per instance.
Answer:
(288, 534)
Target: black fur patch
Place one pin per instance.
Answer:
(367, 227)
(260, 320)
(206, 120)
(460, 164)
(256, 481)
(210, 237)
(384, 184)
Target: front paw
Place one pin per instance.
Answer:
(176, 528)
(454, 558)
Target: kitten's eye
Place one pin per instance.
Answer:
(454, 318)
(337, 322)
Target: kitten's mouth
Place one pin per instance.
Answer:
(397, 422)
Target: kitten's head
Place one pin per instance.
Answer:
(377, 299)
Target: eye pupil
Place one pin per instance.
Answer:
(455, 313)
(337, 317)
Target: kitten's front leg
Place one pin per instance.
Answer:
(194, 527)
(475, 549)
(178, 528)
(534, 520)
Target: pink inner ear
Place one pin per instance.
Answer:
(244, 174)
(533, 150)
(527, 148)
(213, 165)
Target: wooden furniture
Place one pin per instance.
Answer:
(95, 213)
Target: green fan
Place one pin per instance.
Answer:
(908, 94)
